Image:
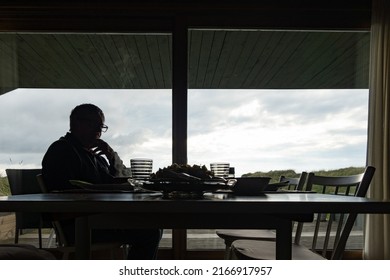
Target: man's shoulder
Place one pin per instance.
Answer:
(63, 146)
(61, 150)
(61, 143)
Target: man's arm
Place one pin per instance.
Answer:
(116, 166)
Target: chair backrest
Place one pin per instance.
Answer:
(23, 181)
(41, 183)
(295, 183)
(354, 185)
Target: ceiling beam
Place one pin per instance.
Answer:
(152, 15)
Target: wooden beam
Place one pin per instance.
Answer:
(122, 16)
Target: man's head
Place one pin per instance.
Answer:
(87, 124)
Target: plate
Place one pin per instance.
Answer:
(275, 186)
(248, 185)
(126, 187)
(185, 188)
(259, 190)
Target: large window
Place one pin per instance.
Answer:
(267, 100)
(258, 99)
(44, 76)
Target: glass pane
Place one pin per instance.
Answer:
(277, 100)
(262, 130)
(44, 76)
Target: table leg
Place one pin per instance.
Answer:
(82, 238)
(284, 240)
(179, 243)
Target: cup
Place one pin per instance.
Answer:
(220, 169)
(141, 168)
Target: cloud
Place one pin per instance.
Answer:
(266, 130)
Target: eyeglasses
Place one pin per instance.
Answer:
(103, 128)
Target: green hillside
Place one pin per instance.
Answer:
(275, 174)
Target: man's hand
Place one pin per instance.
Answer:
(102, 148)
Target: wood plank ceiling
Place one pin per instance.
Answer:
(218, 59)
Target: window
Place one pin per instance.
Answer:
(256, 97)
(44, 76)
(267, 100)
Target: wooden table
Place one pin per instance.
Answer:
(143, 210)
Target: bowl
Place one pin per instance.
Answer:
(250, 185)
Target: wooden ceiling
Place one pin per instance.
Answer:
(41, 50)
(217, 60)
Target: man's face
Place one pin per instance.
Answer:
(88, 129)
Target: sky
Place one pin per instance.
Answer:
(253, 130)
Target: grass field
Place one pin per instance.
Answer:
(4, 186)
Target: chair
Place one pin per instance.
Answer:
(294, 183)
(23, 181)
(110, 250)
(230, 235)
(356, 185)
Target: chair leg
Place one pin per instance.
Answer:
(126, 249)
(16, 235)
(40, 237)
(232, 254)
(51, 237)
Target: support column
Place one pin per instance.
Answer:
(179, 115)
(179, 91)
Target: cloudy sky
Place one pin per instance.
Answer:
(253, 130)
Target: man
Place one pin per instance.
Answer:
(82, 155)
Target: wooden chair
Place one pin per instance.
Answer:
(356, 185)
(230, 235)
(23, 181)
(294, 183)
(111, 250)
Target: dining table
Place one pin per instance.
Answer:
(274, 210)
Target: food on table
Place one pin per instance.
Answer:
(183, 172)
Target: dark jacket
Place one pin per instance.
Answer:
(66, 160)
